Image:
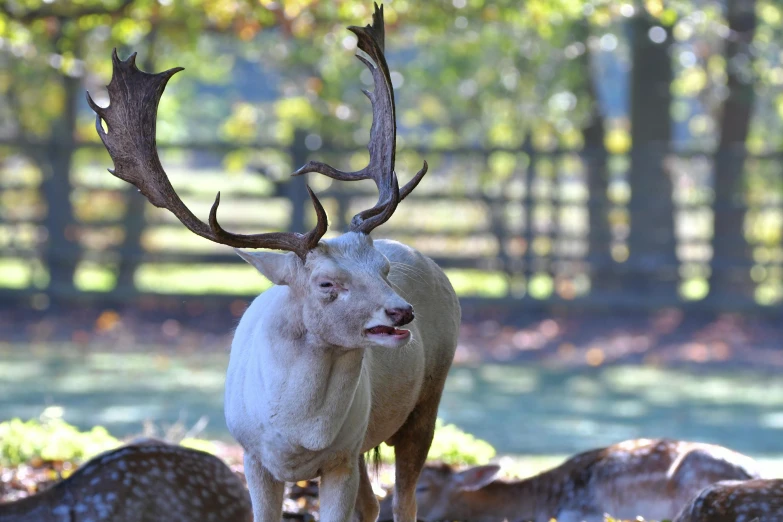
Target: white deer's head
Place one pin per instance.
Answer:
(346, 297)
(341, 284)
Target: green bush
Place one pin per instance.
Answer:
(453, 446)
(50, 439)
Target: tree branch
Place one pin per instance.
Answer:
(50, 11)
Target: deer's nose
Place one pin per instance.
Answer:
(400, 316)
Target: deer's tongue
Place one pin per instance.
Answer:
(383, 330)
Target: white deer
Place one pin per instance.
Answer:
(320, 370)
(653, 478)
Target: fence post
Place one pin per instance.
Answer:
(601, 265)
(528, 202)
(296, 189)
(497, 215)
(131, 250)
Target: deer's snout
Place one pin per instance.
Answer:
(400, 316)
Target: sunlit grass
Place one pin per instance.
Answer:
(694, 289)
(239, 279)
(15, 273)
(478, 283)
(176, 239)
(93, 277)
(171, 278)
(244, 280)
(769, 294)
(200, 279)
(719, 389)
(541, 286)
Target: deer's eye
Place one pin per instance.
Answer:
(326, 284)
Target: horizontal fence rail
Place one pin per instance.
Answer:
(550, 227)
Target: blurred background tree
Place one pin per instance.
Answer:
(591, 150)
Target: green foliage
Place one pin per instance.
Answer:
(50, 439)
(494, 89)
(453, 446)
(468, 71)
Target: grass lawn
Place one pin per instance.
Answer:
(536, 411)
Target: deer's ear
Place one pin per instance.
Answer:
(279, 268)
(476, 477)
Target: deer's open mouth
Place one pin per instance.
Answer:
(388, 331)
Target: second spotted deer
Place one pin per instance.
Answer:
(641, 477)
(757, 500)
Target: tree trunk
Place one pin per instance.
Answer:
(62, 250)
(602, 271)
(651, 268)
(732, 256)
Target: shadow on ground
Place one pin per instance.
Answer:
(535, 408)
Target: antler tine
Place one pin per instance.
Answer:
(381, 205)
(131, 121)
(383, 134)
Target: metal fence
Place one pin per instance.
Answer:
(524, 226)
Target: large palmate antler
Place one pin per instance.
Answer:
(383, 135)
(130, 140)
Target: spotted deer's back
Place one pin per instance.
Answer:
(151, 483)
(736, 501)
(649, 478)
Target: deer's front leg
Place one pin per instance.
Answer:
(266, 493)
(339, 487)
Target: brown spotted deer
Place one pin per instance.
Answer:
(757, 500)
(321, 370)
(146, 482)
(643, 477)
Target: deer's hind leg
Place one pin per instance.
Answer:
(411, 445)
(367, 507)
(698, 469)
